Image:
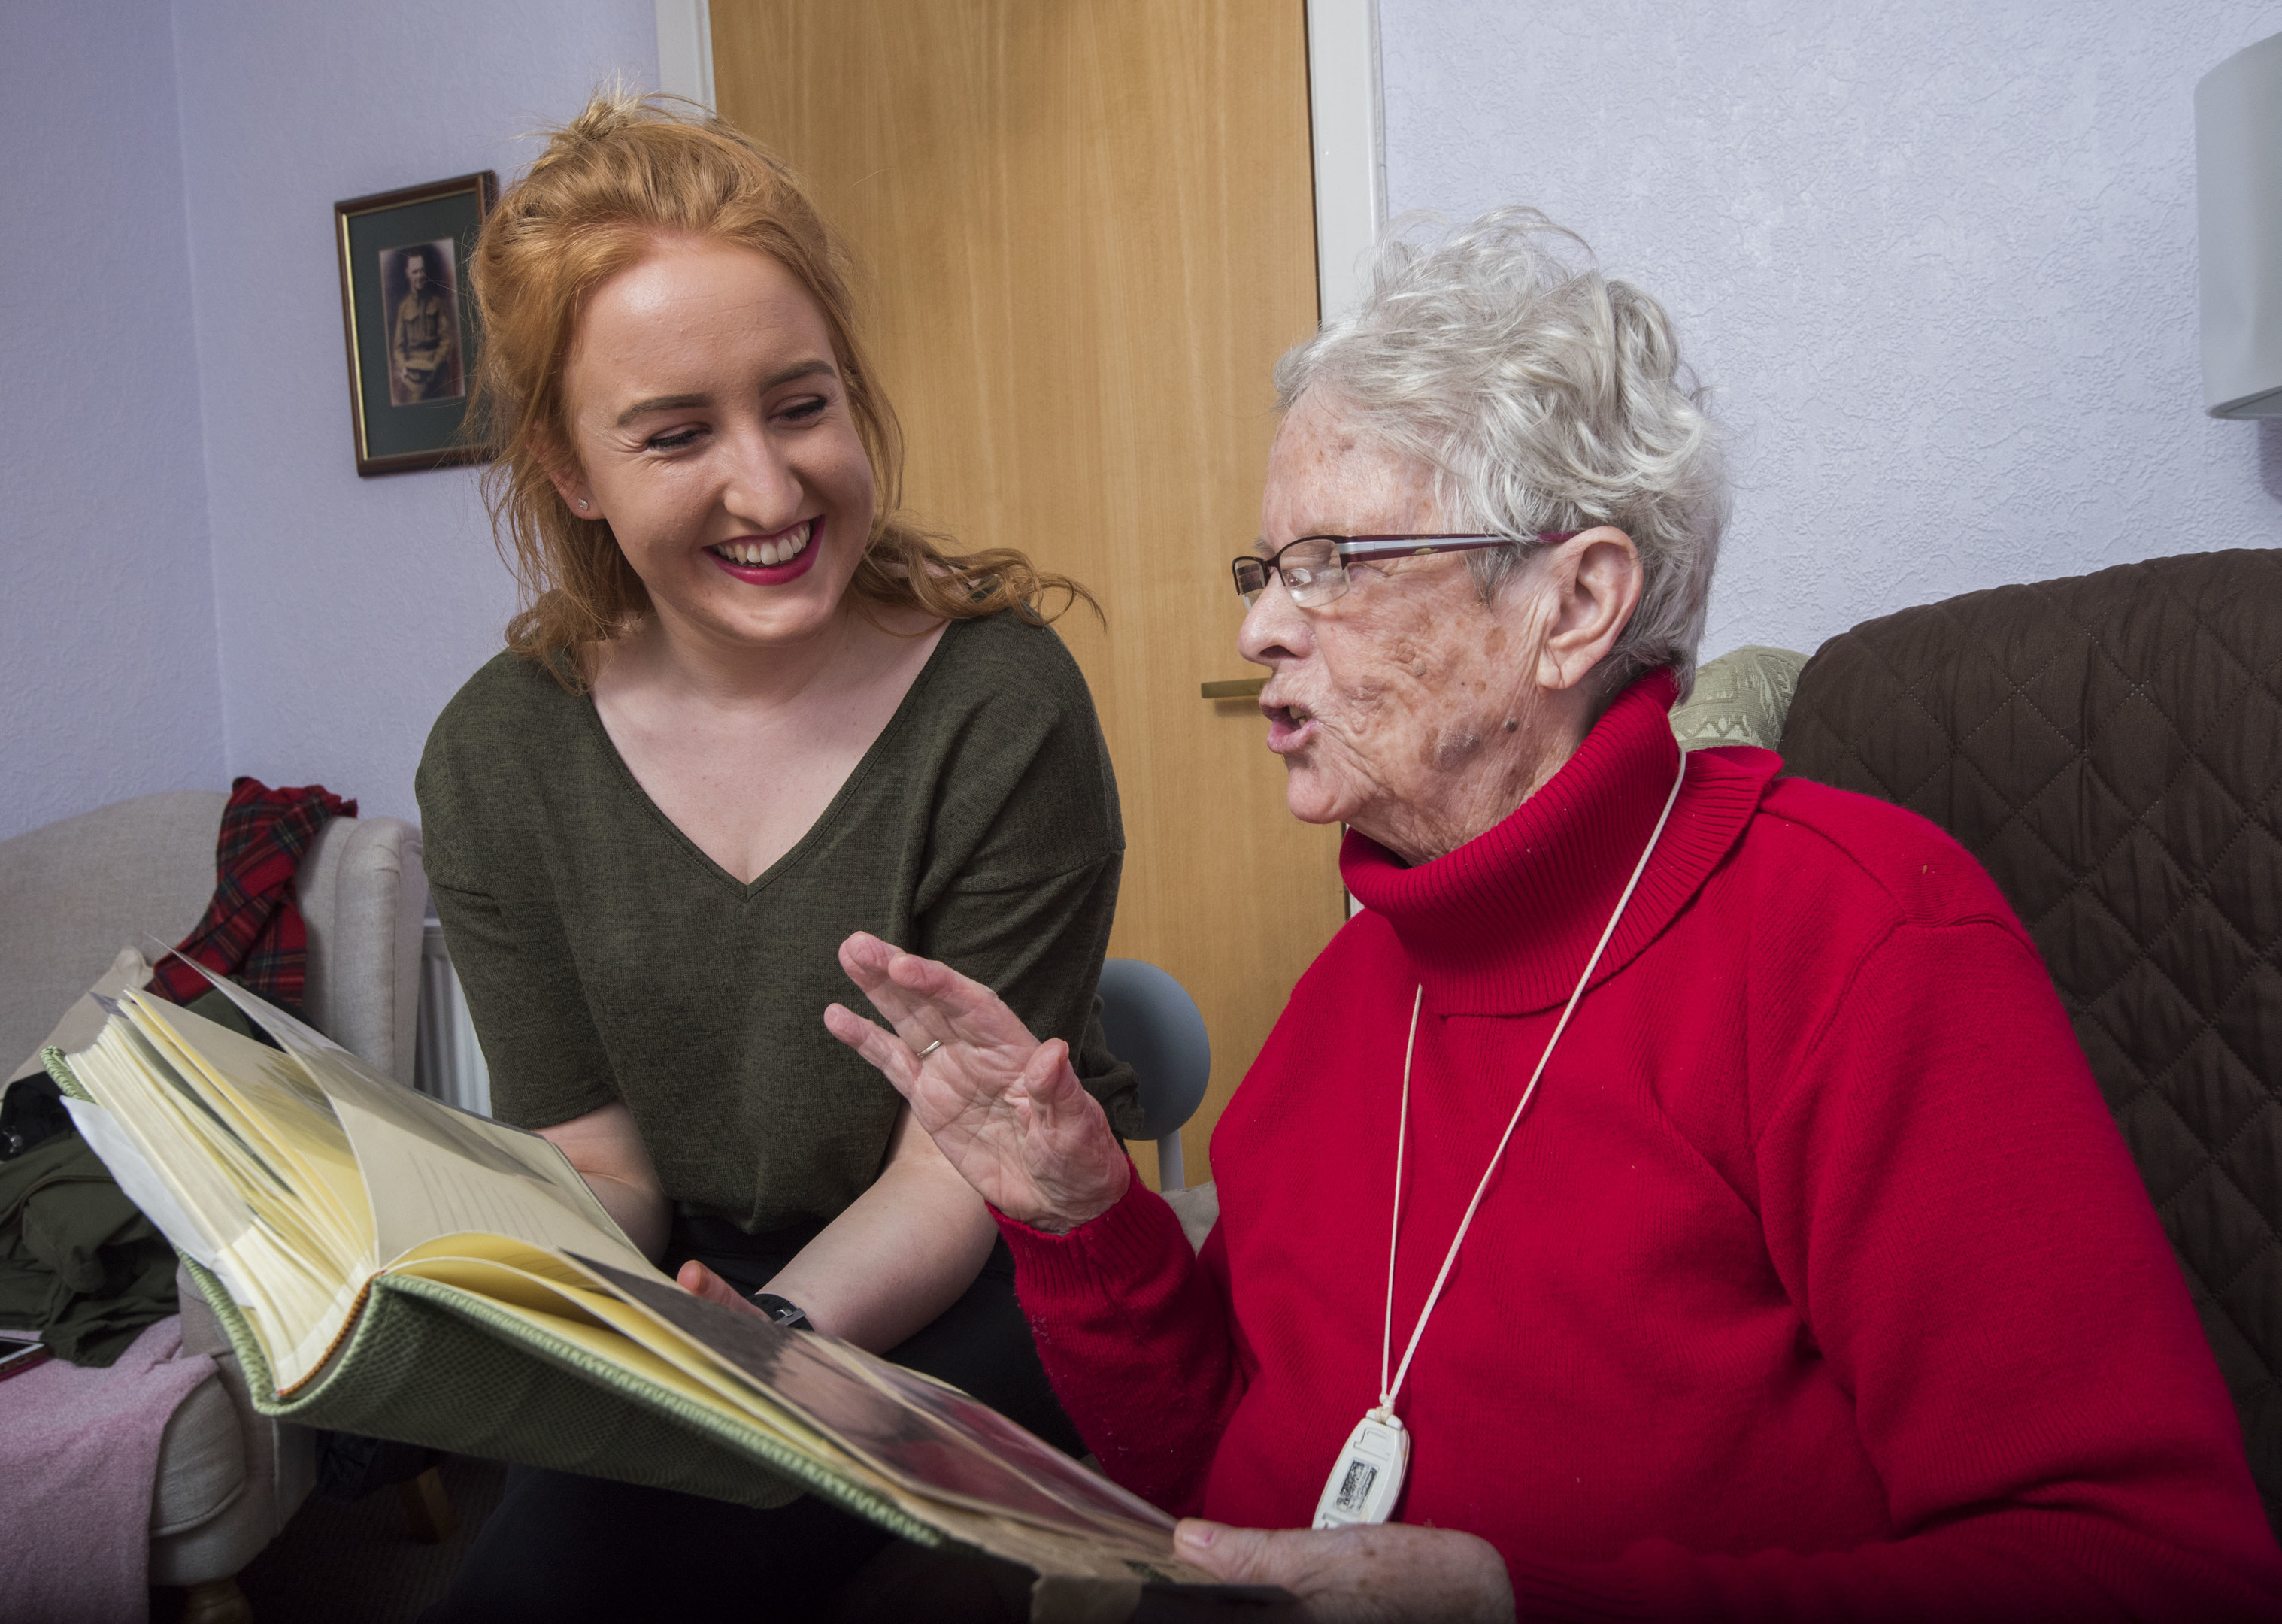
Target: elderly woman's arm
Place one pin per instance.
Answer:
(1132, 1327)
(1944, 1195)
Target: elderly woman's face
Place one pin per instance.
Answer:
(1409, 707)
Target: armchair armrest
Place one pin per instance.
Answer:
(364, 896)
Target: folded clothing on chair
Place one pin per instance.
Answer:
(79, 1453)
(252, 932)
(79, 1264)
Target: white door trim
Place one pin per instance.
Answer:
(685, 50)
(1347, 132)
(1344, 116)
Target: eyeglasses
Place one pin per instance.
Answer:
(1314, 568)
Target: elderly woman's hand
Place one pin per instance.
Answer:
(1007, 1110)
(1365, 1575)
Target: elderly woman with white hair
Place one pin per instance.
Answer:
(1678, 1193)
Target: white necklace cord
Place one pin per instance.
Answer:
(1388, 1389)
(1394, 1227)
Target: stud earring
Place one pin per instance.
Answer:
(584, 504)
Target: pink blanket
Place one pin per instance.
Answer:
(79, 1454)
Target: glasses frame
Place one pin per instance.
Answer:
(1360, 549)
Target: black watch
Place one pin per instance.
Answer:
(783, 1315)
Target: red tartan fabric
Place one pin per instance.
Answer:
(252, 930)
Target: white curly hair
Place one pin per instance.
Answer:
(1544, 397)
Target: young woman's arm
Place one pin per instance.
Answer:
(901, 1253)
(606, 1148)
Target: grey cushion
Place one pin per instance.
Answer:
(73, 893)
(82, 1022)
(1740, 698)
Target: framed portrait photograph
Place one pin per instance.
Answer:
(410, 325)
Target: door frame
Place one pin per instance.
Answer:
(685, 50)
(1346, 126)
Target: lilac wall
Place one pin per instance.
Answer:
(108, 685)
(350, 610)
(1938, 259)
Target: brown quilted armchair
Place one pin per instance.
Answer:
(2110, 748)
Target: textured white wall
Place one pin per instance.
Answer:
(350, 609)
(1938, 260)
(108, 685)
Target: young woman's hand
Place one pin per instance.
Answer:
(699, 1281)
(1006, 1110)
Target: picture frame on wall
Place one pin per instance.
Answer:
(410, 323)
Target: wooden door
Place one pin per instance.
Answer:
(1087, 232)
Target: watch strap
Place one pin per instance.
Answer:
(783, 1313)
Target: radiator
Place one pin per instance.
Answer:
(447, 1061)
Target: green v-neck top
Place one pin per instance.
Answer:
(606, 957)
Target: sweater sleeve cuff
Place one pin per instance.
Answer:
(1575, 1592)
(1133, 1237)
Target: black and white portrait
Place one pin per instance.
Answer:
(420, 290)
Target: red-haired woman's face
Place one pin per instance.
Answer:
(711, 431)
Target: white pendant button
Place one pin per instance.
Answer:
(1368, 1480)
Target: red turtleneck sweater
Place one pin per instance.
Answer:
(1816, 1282)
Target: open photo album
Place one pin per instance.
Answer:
(385, 1264)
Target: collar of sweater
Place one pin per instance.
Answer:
(1503, 924)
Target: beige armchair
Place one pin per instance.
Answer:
(73, 893)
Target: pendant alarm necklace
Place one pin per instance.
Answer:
(1367, 1478)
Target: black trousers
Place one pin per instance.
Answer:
(561, 1547)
